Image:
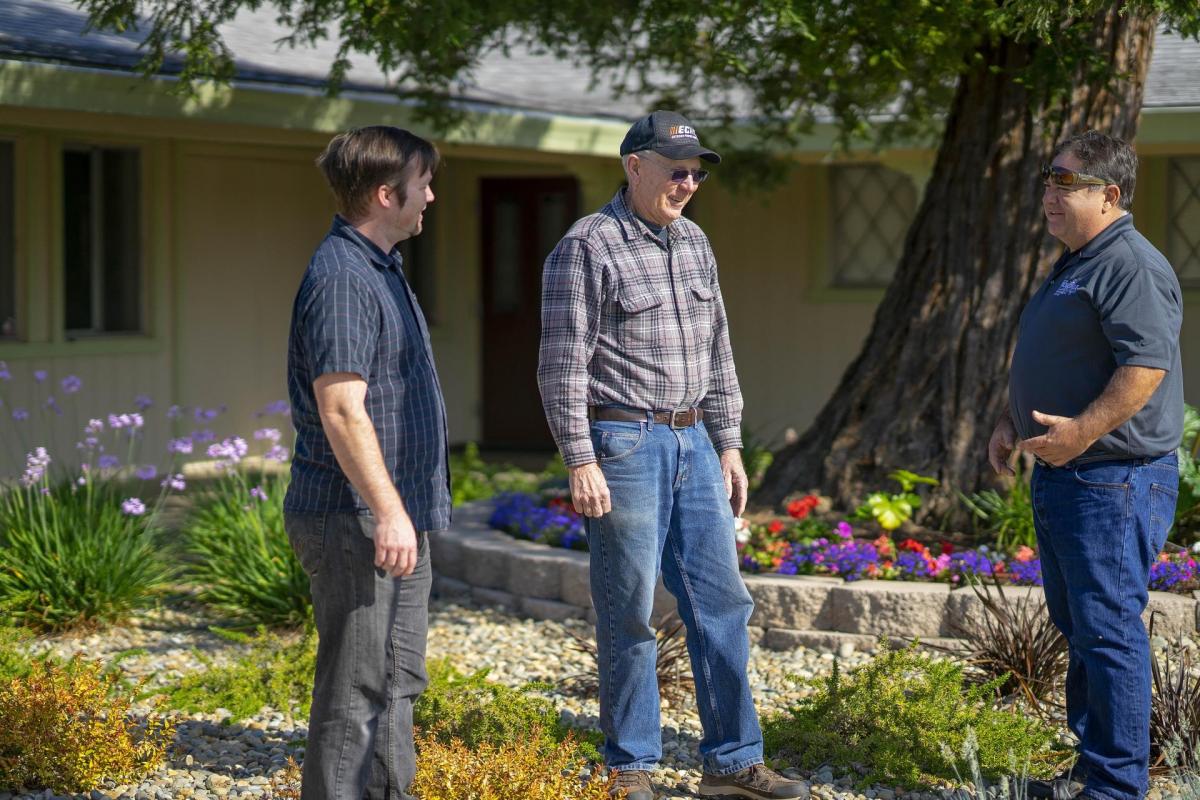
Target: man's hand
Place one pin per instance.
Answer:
(1001, 446)
(396, 546)
(589, 490)
(1064, 440)
(736, 483)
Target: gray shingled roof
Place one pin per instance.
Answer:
(52, 30)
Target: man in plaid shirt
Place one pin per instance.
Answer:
(640, 391)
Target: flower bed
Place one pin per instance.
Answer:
(803, 544)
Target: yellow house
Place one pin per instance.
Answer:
(151, 243)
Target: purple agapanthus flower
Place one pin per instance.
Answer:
(36, 464)
(130, 421)
(277, 407)
(71, 384)
(108, 462)
(147, 473)
(5, 375)
(94, 427)
(52, 404)
(203, 435)
(174, 412)
(20, 414)
(277, 453)
(183, 446)
(40, 375)
(142, 401)
(231, 450)
(175, 482)
(258, 494)
(268, 434)
(133, 507)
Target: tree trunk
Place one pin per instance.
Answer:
(931, 379)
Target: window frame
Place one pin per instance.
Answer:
(833, 282)
(1170, 212)
(94, 145)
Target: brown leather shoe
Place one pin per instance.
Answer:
(757, 782)
(634, 782)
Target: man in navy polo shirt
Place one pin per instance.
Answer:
(370, 475)
(1096, 394)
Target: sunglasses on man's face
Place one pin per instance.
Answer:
(699, 176)
(1066, 178)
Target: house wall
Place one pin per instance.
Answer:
(233, 212)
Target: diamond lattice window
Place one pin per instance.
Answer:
(872, 209)
(1183, 215)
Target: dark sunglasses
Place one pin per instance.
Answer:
(1061, 176)
(681, 175)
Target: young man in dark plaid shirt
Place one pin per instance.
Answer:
(638, 384)
(370, 475)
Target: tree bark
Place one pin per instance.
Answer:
(931, 380)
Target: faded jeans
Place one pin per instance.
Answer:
(1099, 528)
(370, 660)
(669, 514)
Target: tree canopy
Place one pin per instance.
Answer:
(877, 69)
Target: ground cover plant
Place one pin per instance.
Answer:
(68, 727)
(274, 671)
(905, 716)
(672, 666)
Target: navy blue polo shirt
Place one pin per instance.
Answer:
(356, 313)
(1114, 302)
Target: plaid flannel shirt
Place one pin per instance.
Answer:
(630, 321)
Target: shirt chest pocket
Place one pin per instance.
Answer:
(703, 311)
(638, 321)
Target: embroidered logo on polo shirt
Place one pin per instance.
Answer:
(682, 132)
(1067, 287)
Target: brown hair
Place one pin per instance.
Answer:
(361, 160)
(1104, 157)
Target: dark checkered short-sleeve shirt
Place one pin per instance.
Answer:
(356, 313)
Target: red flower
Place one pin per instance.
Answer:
(801, 508)
(775, 527)
(912, 544)
(947, 548)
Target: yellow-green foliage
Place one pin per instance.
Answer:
(272, 674)
(905, 715)
(67, 727)
(520, 769)
(14, 661)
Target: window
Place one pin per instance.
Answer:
(420, 267)
(1183, 219)
(102, 240)
(872, 209)
(8, 254)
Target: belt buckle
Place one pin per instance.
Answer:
(675, 412)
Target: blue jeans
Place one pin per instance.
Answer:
(1099, 528)
(669, 514)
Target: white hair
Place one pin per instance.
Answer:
(625, 160)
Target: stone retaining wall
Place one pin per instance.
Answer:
(471, 559)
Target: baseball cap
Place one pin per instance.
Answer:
(668, 134)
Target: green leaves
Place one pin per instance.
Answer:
(890, 511)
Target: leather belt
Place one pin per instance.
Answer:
(680, 418)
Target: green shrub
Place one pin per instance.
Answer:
(475, 711)
(273, 673)
(472, 478)
(1187, 508)
(905, 715)
(67, 727)
(756, 457)
(1007, 519)
(14, 661)
(70, 556)
(240, 556)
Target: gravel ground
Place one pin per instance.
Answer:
(215, 757)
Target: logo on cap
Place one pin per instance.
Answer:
(682, 132)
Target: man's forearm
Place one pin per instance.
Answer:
(356, 446)
(1127, 391)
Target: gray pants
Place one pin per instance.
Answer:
(370, 660)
